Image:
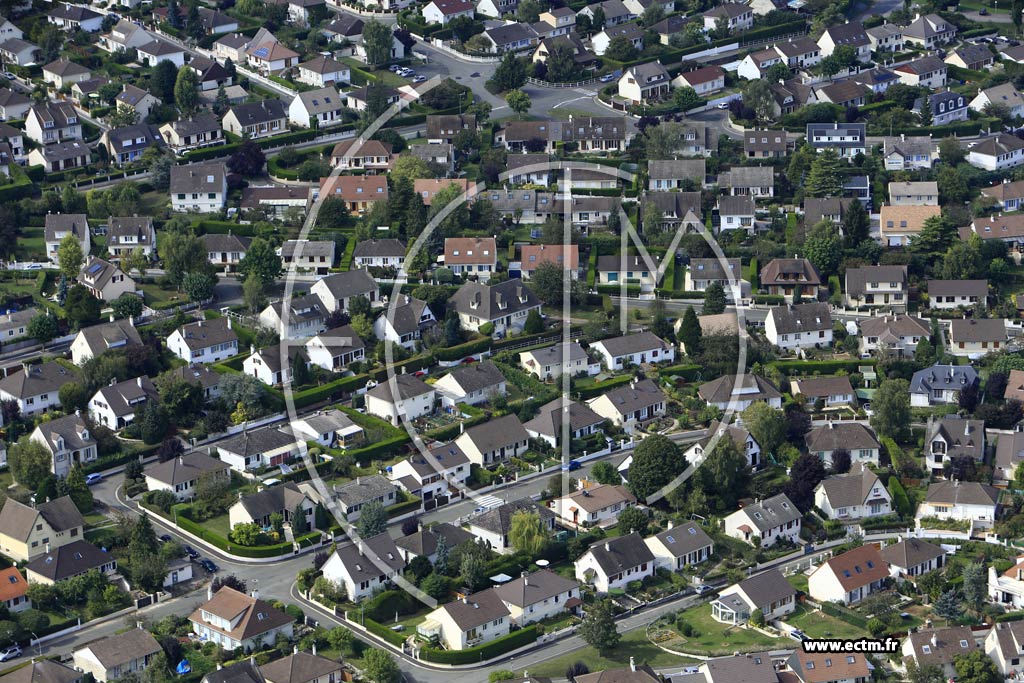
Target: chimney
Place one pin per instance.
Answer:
(462, 428)
(200, 323)
(464, 600)
(138, 380)
(138, 625)
(607, 547)
(632, 664)
(255, 593)
(670, 525)
(78, 412)
(252, 349)
(314, 649)
(219, 666)
(935, 641)
(526, 578)
(229, 323)
(209, 592)
(181, 460)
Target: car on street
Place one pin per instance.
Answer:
(94, 478)
(419, 79)
(983, 12)
(166, 538)
(393, 68)
(475, 74)
(702, 589)
(8, 653)
(571, 466)
(606, 78)
(192, 553)
(723, 105)
(208, 565)
(9, 76)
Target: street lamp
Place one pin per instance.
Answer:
(39, 646)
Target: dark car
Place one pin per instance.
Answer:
(166, 538)
(571, 466)
(192, 553)
(983, 12)
(208, 565)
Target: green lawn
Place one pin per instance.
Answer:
(633, 644)
(799, 581)
(716, 638)
(155, 295)
(819, 625)
(32, 244)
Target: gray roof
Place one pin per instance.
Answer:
(257, 441)
(736, 205)
(491, 302)
(379, 248)
(109, 335)
(203, 122)
(946, 377)
(206, 333)
(346, 25)
(282, 498)
(245, 671)
(342, 340)
(894, 326)
(962, 493)
(817, 208)
(448, 455)
(633, 343)
(69, 560)
(73, 13)
(684, 539)
(616, 555)
(62, 151)
(308, 247)
(424, 541)
(499, 519)
(978, 288)
(633, 396)
(963, 436)
(42, 671)
(748, 176)
(198, 178)
(406, 314)
(857, 278)
(854, 132)
(998, 145)
(549, 420)
(721, 390)
(39, 379)
(497, 432)
(323, 64)
(849, 490)
(321, 100)
(408, 386)
(712, 269)
(70, 428)
(510, 33)
(977, 330)
(184, 468)
(851, 33)
(835, 435)
(559, 353)
(911, 552)
(477, 376)
(677, 168)
(264, 111)
(533, 588)
(18, 519)
(1009, 453)
(350, 283)
(767, 587)
(818, 387)
(757, 667)
(64, 67)
(772, 512)
(300, 667)
(810, 317)
(229, 242)
(123, 647)
(476, 609)
(363, 490)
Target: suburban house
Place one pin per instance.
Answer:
(677, 547)
(424, 541)
(898, 225)
(628, 268)
(539, 595)
(471, 256)
(998, 152)
(443, 11)
(846, 139)
(505, 305)
(765, 144)
(135, 99)
(704, 81)
(548, 424)
(677, 174)
(1004, 644)
(856, 439)
(952, 294)
(315, 256)
(116, 405)
(359, 193)
(705, 271)
(903, 154)
(330, 427)
(60, 156)
(63, 72)
(440, 475)
(324, 71)
(334, 350)
(226, 251)
(105, 280)
(561, 359)
(233, 620)
(765, 522)
(256, 120)
(615, 562)
(379, 253)
(948, 107)
(181, 475)
(564, 258)
(184, 135)
(975, 337)
(929, 31)
(737, 16)
(876, 286)
(53, 122)
(70, 17)
(912, 557)
(474, 619)
(768, 592)
(799, 326)
(928, 72)
(643, 83)
(303, 667)
(365, 567)
(961, 500)
(401, 398)
(914, 193)
(282, 499)
(598, 505)
(373, 156)
(940, 384)
(125, 234)
(68, 561)
(322, 108)
(27, 533)
(13, 591)
(893, 334)
(68, 441)
(204, 341)
(199, 188)
(95, 340)
(744, 440)
(355, 495)
(786, 277)
(116, 656)
(939, 648)
(831, 392)
(849, 577)
(952, 437)
(752, 181)
(255, 449)
(855, 495)
(471, 384)
(634, 350)
(337, 291)
(35, 388)
(736, 213)
(630, 405)
(404, 322)
(494, 441)
(741, 390)
(492, 526)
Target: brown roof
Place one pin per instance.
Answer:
(532, 255)
(906, 218)
(43, 671)
(355, 188)
(17, 519)
(123, 647)
(299, 667)
(858, 567)
(256, 616)
(1015, 385)
(790, 271)
(705, 74)
(470, 250)
(823, 386)
(825, 667)
(911, 552)
(426, 188)
(641, 673)
(943, 644)
(977, 330)
(533, 588)
(601, 496)
(476, 609)
(12, 584)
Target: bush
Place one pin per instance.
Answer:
(474, 655)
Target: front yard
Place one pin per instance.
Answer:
(711, 637)
(633, 644)
(817, 624)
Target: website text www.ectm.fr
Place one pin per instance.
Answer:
(838, 645)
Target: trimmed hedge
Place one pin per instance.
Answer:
(602, 387)
(330, 391)
(822, 367)
(844, 614)
(235, 549)
(381, 631)
(380, 450)
(399, 509)
(451, 431)
(473, 655)
(773, 299)
(687, 372)
(462, 350)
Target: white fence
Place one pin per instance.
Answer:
(439, 44)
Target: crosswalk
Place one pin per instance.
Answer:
(585, 91)
(487, 502)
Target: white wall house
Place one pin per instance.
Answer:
(365, 567)
(204, 341)
(615, 562)
(765, 522)
(849, 577)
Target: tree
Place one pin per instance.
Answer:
(122, 116)
(766, 425)
(892, 409)
(261, 262)
(528, 534)
(193, 22)
(73, 397)
(690, 332)
(11, 222)
(510, 74)
(518, 101)
(621, 48)
(758, 96)
(936, 237)
(951, 151)
(633, 519)
(825, 178)
(153, 423)
(377, 39)
(248, 159)
(605, 473)
(186, 91)
(380, 667)
(127, 305)
(561, 62)
(598, 628)
(656, 462)
(805, 474)
(948, 605)
(822, 247)
(975, 586)
(43, 327)
(300, 524)
(841, 461)
(163, 80)
(78, 489)
(182, 253)
(856, 224)
(29, 462)
(976, 667)
(954, 189)
(199, 286)
(231, 581)
(722, 478)
(170, 448)
(136, 260)
(81, 307)
(174, 18)
(686, 98)
(714, 299)
(70, 256)
(373, 520)
(471, 571)
(534, 323)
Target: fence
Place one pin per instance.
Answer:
(440, 45)
(550, 84)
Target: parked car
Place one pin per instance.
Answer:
(192, 553)
(723, 105)
(983, 12)
(12, 652)
(208, 565)
(419, 79)
(797, 634)
(702, 589)
(166, 538)
(9, 76)
(94, 478)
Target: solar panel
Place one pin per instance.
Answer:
(95, 268)
(261, 52)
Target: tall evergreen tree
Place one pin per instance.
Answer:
(690, 332)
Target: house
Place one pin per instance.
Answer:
(256, 120)
(832, 392)
(939, 648)
(765, 522)
(27, 533)
(768, 591)
(643, 83)
(1015, 386)
(787, 277)
(156, 51)
(844, 94)
(736, 213)
(322, 71)
(226, 251)
(428, 188)
(13, 105)
(443, 11)
(471, 256)
(799, 326)
(893, 334)
(243, 671)
(260, 507)
(628, 268)
(615, 12)
(996, 153)
(19, 52)
(1009, 447)
(740, 391)
(61, 156)
(846, 139)
(511, 37)
(359, 193)
(961, 500)
(973, 57)
(677, 547)
(950, 438)
(539, 595)
(547, 426)
(333, 350)
(630, 405)
(885, 38)
(563, 257)
(115, 406)
(1005, 94)
(379, 253)
(929, 31)
(70, 17)
(825, 667)
(207, 380)
(492, 526)
(505, 305)
(901, 154)
(551, 361)
(914, 193)
(116, 656)
(303, 318)
(765, 144)
(365, 567)
(736, 15)
(104, 280)
(316, 256)
(849, 577)
(200, 188)
(14, 324)
(404, 322)
(212, 76)
(469, 621)
(125, 36)
(799, 54)
(749, 181)
(35, 388)
(204, 341)
(59, 225)
(232, 620)
(898, 225)
(13, 589)
(851, 34)
(927, 72)
(68, 561)
(302, 13)
(495, 441)
(336, 292)
(940, 384)
(471, 384)
(68, 441)
(633, 350)
(1007, 195)
(423, 543)
(817, 209)
(615, 562)
(9, 30)
(705, 271)
(302, 667)
(231, 47)
(355, 495)
(181, 475)
(598, 505)
(47, 670)
(562, 20)
(322, 108)
(184, 135)
(53, 122)
(126, 145)
(443, 128)
(270, 56)
(855, 495)
(856, 439)
(371, 156)
(948, 107)
(975, 337)
(437, 477)
(330, 428)
(744, 441)
(63, 73)
(912, 557)
(403, 397)
(1008, 228)
(258, 448)
(1007, 588)
(677, 174)
(876, 286)
(1004, 644)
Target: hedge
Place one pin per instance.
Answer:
(449, 432)
(1011, 616)
(459, 351)
(381, 631)
(844, 614)
(414, 364)
(331, 390)
(123, 458)
(521, 338)
(384, 606)
(631, 290)
(380, 450)
(473, 655)
(346, 258)
(687, 372)
(769, 299)
(222, 543)
(822, 367)
(601, 387)
(399, 509)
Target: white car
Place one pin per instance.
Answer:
(419, 79)
(9, 76)
(8, 653)
(723, 105)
